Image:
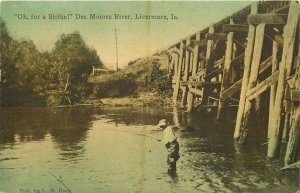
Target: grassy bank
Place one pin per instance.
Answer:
(144, 99)
(144, 82)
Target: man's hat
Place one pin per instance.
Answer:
(162, 122)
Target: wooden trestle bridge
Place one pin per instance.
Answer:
(236, 60)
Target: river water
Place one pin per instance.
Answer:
(88, 150)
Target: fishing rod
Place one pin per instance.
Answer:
(179, 128)
(60, 181)
(141, 134)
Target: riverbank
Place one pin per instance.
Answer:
(144, 82)
(143, 99)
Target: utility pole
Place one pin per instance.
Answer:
(116, 48)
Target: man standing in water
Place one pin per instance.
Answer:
(170, 141)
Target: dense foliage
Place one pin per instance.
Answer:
(140, 77)
(113, 86)
(29, 76)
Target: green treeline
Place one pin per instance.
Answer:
(29, 76)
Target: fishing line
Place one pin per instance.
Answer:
(141, 134)
(60, 181)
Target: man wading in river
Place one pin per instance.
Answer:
(171, 144)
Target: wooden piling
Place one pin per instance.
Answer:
(257, 102)
(295, 125)
(226, 72)
(191, 96)
(176, 59)
(258, 45)
(209, 76)
(171, 66)
(178, 75)
(293, 137)
(275, 65)
(234, 75)
(286, 126)
(247, 67)
(186, 74)
(208, 65)
(191, 62)
(209, 49)
(289, 35)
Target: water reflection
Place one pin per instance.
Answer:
(135, 115)
(68, 127)
(70, 131)
(228, 166)
(102, 148)
(27, 123)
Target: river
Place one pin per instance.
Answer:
(114, 149)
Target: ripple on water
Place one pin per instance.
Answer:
(83, 146)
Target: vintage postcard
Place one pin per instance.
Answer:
(149, 96)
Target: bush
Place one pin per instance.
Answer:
(143, 77)
(116, 86)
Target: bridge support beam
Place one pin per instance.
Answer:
(289, 35)
(275, 65)
(178, 75)
(258, 45)
(226, 72)
(191, 96)
(186, 73)
(246, 74)
(295, 126)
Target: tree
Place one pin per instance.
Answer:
(76, 57)
(75, 61)
(28, 75)
(7, 67)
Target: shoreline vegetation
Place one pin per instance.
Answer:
(146, 99)
(144, 82)
(64, 76)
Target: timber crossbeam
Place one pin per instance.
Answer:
(235, 28)
(214, 73)
(295, 95)
(232, 90)
(198, 43)
(219, 62)
(263, 86)
(216, 36)
(188, 48)
(267, 19)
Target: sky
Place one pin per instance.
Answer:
(137, 38)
